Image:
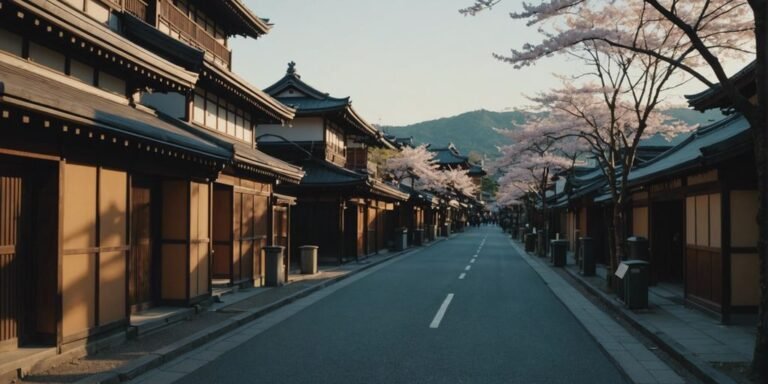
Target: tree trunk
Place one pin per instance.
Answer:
(759, 124)
(617, 254)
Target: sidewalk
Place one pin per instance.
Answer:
(711, 351)
(158, 343)
(699, 342)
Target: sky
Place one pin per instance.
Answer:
(401, 61)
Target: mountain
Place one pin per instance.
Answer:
(470, 132)
(473, 131)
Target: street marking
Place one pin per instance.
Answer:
(472, 261)
(468, 268)
(462, 276)
(441, 312)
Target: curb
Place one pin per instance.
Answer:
(161, 356)
(687, 359)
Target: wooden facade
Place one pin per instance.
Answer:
(109, 207)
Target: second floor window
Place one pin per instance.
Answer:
(216, 113)
(334, 140)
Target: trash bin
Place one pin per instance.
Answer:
(418, 236)
(530, 242)
(432, 232)
(587, 263)
(274, 275)
(401, 238)
(522, 231)
(541, 249)
(308, 259)
(559, 249)
(635, 276)
(446, 230)
(638, 248)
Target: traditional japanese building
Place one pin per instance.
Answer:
(247, 214)
(697, 203)
(108, 159)
(342, 205)
(456, 213)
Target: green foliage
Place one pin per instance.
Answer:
(489, 185)
(470, 132)
(473, 133)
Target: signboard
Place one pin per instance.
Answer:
(622, 270)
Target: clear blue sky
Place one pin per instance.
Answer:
(401, 61)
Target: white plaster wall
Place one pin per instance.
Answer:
(172, 104)
(301, 129)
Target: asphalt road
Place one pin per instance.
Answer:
(501, 325)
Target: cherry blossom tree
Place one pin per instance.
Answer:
(457, 181)
(696, 37)
(528, 164)
(419, 165)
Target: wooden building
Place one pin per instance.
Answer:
(342, 205)
(106, 189)
(697, 204)
(456, 214)
(247, 214)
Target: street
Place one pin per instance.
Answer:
(439, 315)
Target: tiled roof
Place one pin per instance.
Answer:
(34, 91)
(721, 138)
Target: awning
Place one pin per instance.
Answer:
(260, 162)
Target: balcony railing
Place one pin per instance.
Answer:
(137, 8)
(196, 35)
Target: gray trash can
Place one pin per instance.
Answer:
(401, 238)
(418, 236)
(636, 278)
(308, 259)
(274, 275)
(559, 249)
(587, 262)
(530, 242)
(638, 248)
(541, 244)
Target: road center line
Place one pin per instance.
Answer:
(472, 261)
(462, 276)
(441, 312)
(468, 268)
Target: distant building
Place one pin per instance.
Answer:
(343, 206)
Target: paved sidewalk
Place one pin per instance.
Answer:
(633, 357)
(696, 340)
(134, 357)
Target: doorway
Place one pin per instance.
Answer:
(142, 265)
(28, 253)
(667, 226)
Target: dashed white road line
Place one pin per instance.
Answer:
(472, 261)
(468, 268)
(441, 312)
(462, 276)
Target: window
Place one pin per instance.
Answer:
(11, 42)
(215, 113)
(198, 114)
(47, 57)
(703, 220)
(211, 111)
(81, 71)
(111, 83)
